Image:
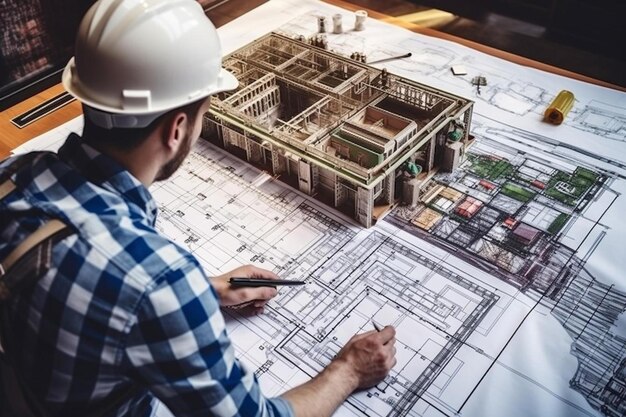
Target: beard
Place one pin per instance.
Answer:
(173, 164)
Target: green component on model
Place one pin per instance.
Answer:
(412, 168)
(455, 135)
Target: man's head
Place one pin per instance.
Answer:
(172, 134)
(137, 59)
(141, 64)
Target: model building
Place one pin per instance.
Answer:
(355, 137)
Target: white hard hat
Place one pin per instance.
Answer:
(137, 59)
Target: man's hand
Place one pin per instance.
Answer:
(369, 356)
(363, 362)
(237, 297)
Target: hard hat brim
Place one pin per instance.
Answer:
(226, 82)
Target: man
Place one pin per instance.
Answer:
(124, 316)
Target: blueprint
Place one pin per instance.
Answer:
(505, 283)
(445, 317)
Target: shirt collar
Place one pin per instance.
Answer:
(107, 173)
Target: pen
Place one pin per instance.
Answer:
(407, 55)
(376, 326)
(259, 282)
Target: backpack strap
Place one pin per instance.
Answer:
(6, 188)
(31, 258)
(23, 266)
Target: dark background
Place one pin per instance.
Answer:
(584, 36)
(587, 37)
(37, 40)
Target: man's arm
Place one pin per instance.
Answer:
(363, 362)
(178, 348)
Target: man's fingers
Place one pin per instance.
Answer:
(260, 303)
(265, 293)
(256, 272)
(364, 335)
(389, 349)
(386, 334)
(255, 293)
(247, 309)
(392, 351)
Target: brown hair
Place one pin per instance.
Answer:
(129, 138)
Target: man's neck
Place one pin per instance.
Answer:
(138, 161)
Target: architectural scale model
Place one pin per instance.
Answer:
(355, 137)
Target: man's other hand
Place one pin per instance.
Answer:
(368, 357)
(363, 362)
(252, 298)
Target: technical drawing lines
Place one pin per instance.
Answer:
(354, 275)
(507, 213)
(406, 300)
(588, 310)
(417, 388)
(603, 120)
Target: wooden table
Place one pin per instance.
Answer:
(11, 136)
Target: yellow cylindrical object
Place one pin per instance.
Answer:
(560, 106)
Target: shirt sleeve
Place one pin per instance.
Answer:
(180, 350)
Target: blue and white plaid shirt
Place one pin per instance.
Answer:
(122, 306)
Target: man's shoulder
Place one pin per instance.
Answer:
(24, 162)
(107, 225)
(136, 248)
(121, 257)
(56, 189)
(41, 177)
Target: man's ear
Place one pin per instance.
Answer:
(174, 131)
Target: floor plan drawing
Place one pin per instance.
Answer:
(432, 330)
(530, 198)
(515, 216)
(506, 210)
(588, 310)
(603, 120)
(452, 324)
(237, 206)
(353, 276)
